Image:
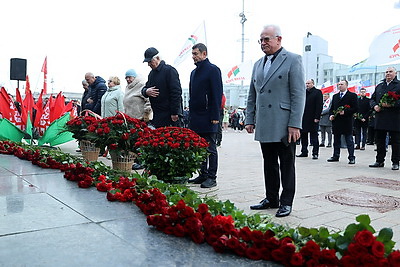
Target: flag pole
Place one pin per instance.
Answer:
(205, 33)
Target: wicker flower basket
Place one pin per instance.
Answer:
(122, 160)
(89, 151)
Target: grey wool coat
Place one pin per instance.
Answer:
(276, 102)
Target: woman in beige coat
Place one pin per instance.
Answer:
(135, 104)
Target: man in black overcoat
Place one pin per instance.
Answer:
(344, 105)
(387, 119)
(361, 121)
(311, 117)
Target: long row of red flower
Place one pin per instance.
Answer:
(218, 231)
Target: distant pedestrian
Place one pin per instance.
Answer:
(325, 124)
(163, 88)
(311, 117)
(205, 90)
(344, 105)
(361, 120)
(85, 96)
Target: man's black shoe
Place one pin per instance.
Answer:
(78, 150)
(302, 155)
(377, 165)
(352, 161)
(315, 157)
(197, 180)
(395, 167)
(137, 166)
(321, 145)
(284, 210)
(264, 204)
(208, 183)
(332, 159)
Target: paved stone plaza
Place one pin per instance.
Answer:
(49, 221)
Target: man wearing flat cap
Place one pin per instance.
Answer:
(163, 88)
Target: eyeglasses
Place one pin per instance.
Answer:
(266, 39)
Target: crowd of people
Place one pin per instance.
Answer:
(282, 110)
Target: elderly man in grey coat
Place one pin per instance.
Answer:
(275, 109)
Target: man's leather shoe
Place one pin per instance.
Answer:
(329, 146)
(357, 147)
(78, 150)
(302, 155)
(352, 161)
(377, 165)
(362, 148)
(315, 157)
(395, 167)
(264, 204)
(332, 159)
(208, 183)
(284, 210)
(321, 145)
(198, 180)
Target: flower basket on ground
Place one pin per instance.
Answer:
(78, 126)
(172, 154)
(119, 133)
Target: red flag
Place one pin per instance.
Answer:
(44, 70)
(5, 104)
(23, 112)
(39, 110)
(44, 120)
(27, 85)
(57, 107)
(29, 102)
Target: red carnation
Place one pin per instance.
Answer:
(253, 253)
(297, 259)
(394, 258)
(125, 136)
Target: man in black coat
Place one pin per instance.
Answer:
(344, 105)
(97, 88)
(205, 90)
(387, 119)
(85, 96)
(361, 120)
(163, 87)
(311, 117)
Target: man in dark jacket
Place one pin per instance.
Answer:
(164, 90)
(205, 90)
(85, 96)
(344, 105)
(311, 117)
(361, 120)
(97, 88)
(387, 119)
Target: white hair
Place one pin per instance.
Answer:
(276, 28)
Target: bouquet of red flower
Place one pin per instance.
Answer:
(339, 109)
(78, 126)
(389, 98)
(119, 132)
(172, 153)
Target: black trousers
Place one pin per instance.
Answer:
(279, 167)
(210, 165)
(314, 142)
(380, 137)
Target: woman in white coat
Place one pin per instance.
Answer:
(112, 100)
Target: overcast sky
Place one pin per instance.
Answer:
(109, 37)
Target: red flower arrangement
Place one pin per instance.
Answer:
(340, 109)
(78, 126)
(119, 132)
(171, 153)
(389, 98)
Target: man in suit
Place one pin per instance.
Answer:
(344, 105)
(205, 90)
(275, 109)
(311, 117)
(361, 121)
(387, 118)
